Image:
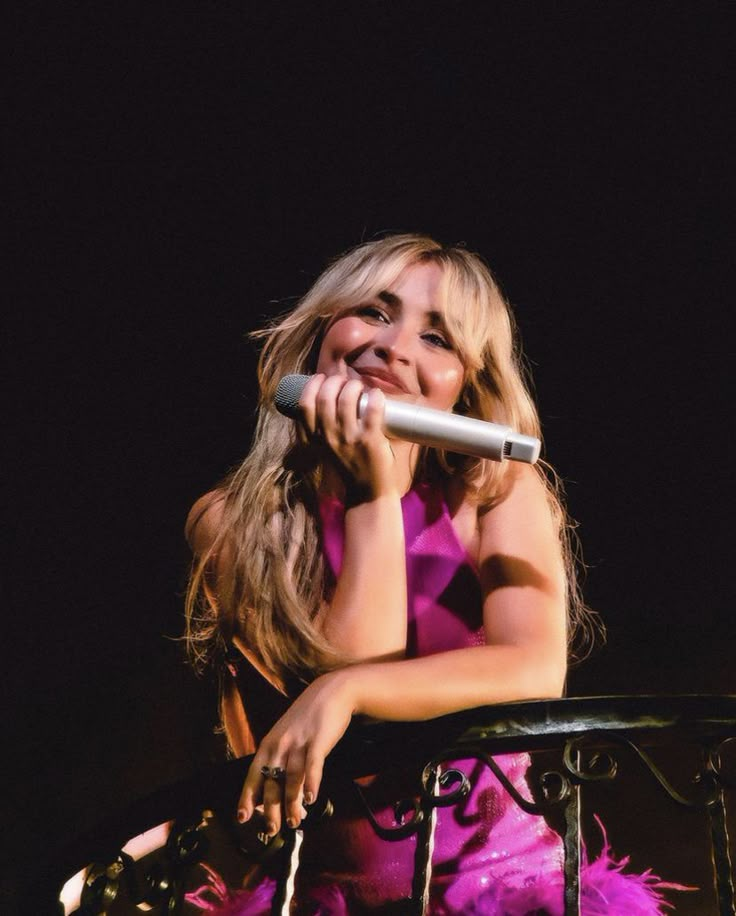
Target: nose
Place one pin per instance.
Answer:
(393, 344)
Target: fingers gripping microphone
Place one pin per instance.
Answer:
(427, 426)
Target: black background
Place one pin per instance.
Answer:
(184, 172)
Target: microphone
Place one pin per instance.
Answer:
(428, 426)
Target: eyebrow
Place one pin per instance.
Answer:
(435, 318)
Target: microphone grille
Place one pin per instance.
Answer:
(288, 392)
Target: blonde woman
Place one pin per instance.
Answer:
(341, 573)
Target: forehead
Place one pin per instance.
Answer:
(417, 288)
(439, 287)
(420, 280)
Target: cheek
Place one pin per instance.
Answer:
(445, 384)
(344, 336)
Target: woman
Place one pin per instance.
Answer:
(350, 574)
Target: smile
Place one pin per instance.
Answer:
(382, 378)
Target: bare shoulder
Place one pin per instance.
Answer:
(203, 521)
(522, 515)
(525, 507)
(520, 538)
(523, 578)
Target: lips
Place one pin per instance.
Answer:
(381, 378)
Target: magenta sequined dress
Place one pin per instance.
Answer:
(489, 856)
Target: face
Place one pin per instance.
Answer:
(397, 342)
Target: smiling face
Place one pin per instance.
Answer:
(397, 341)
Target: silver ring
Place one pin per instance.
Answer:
(276, 773)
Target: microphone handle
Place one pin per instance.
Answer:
(466, 435)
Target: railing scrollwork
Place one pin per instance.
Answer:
(593, 738)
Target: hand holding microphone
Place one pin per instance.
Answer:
(427, 426)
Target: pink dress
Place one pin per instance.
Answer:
(489, 856)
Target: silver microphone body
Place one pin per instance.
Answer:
(428, 426)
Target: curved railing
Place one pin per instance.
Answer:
(176, 828)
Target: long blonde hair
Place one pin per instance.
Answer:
(272, 590)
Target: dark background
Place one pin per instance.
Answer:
(182, 173)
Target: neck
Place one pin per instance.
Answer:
(406, 455)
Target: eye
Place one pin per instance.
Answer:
(437, 339)
(373, 312)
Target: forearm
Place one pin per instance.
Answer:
(436, 685)
(366, 617)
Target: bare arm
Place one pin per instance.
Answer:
(366, 616)
(524, 617)
(203, 521)
(201, 530)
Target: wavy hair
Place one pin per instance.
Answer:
(273, 587)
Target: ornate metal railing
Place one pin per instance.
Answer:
(583, 736)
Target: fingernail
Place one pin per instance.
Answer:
(270, 828)
(291, 822)
(309, 798)
(242, 815)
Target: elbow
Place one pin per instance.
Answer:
(555, 682)
(544, 677)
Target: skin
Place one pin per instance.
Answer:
(394, 346)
